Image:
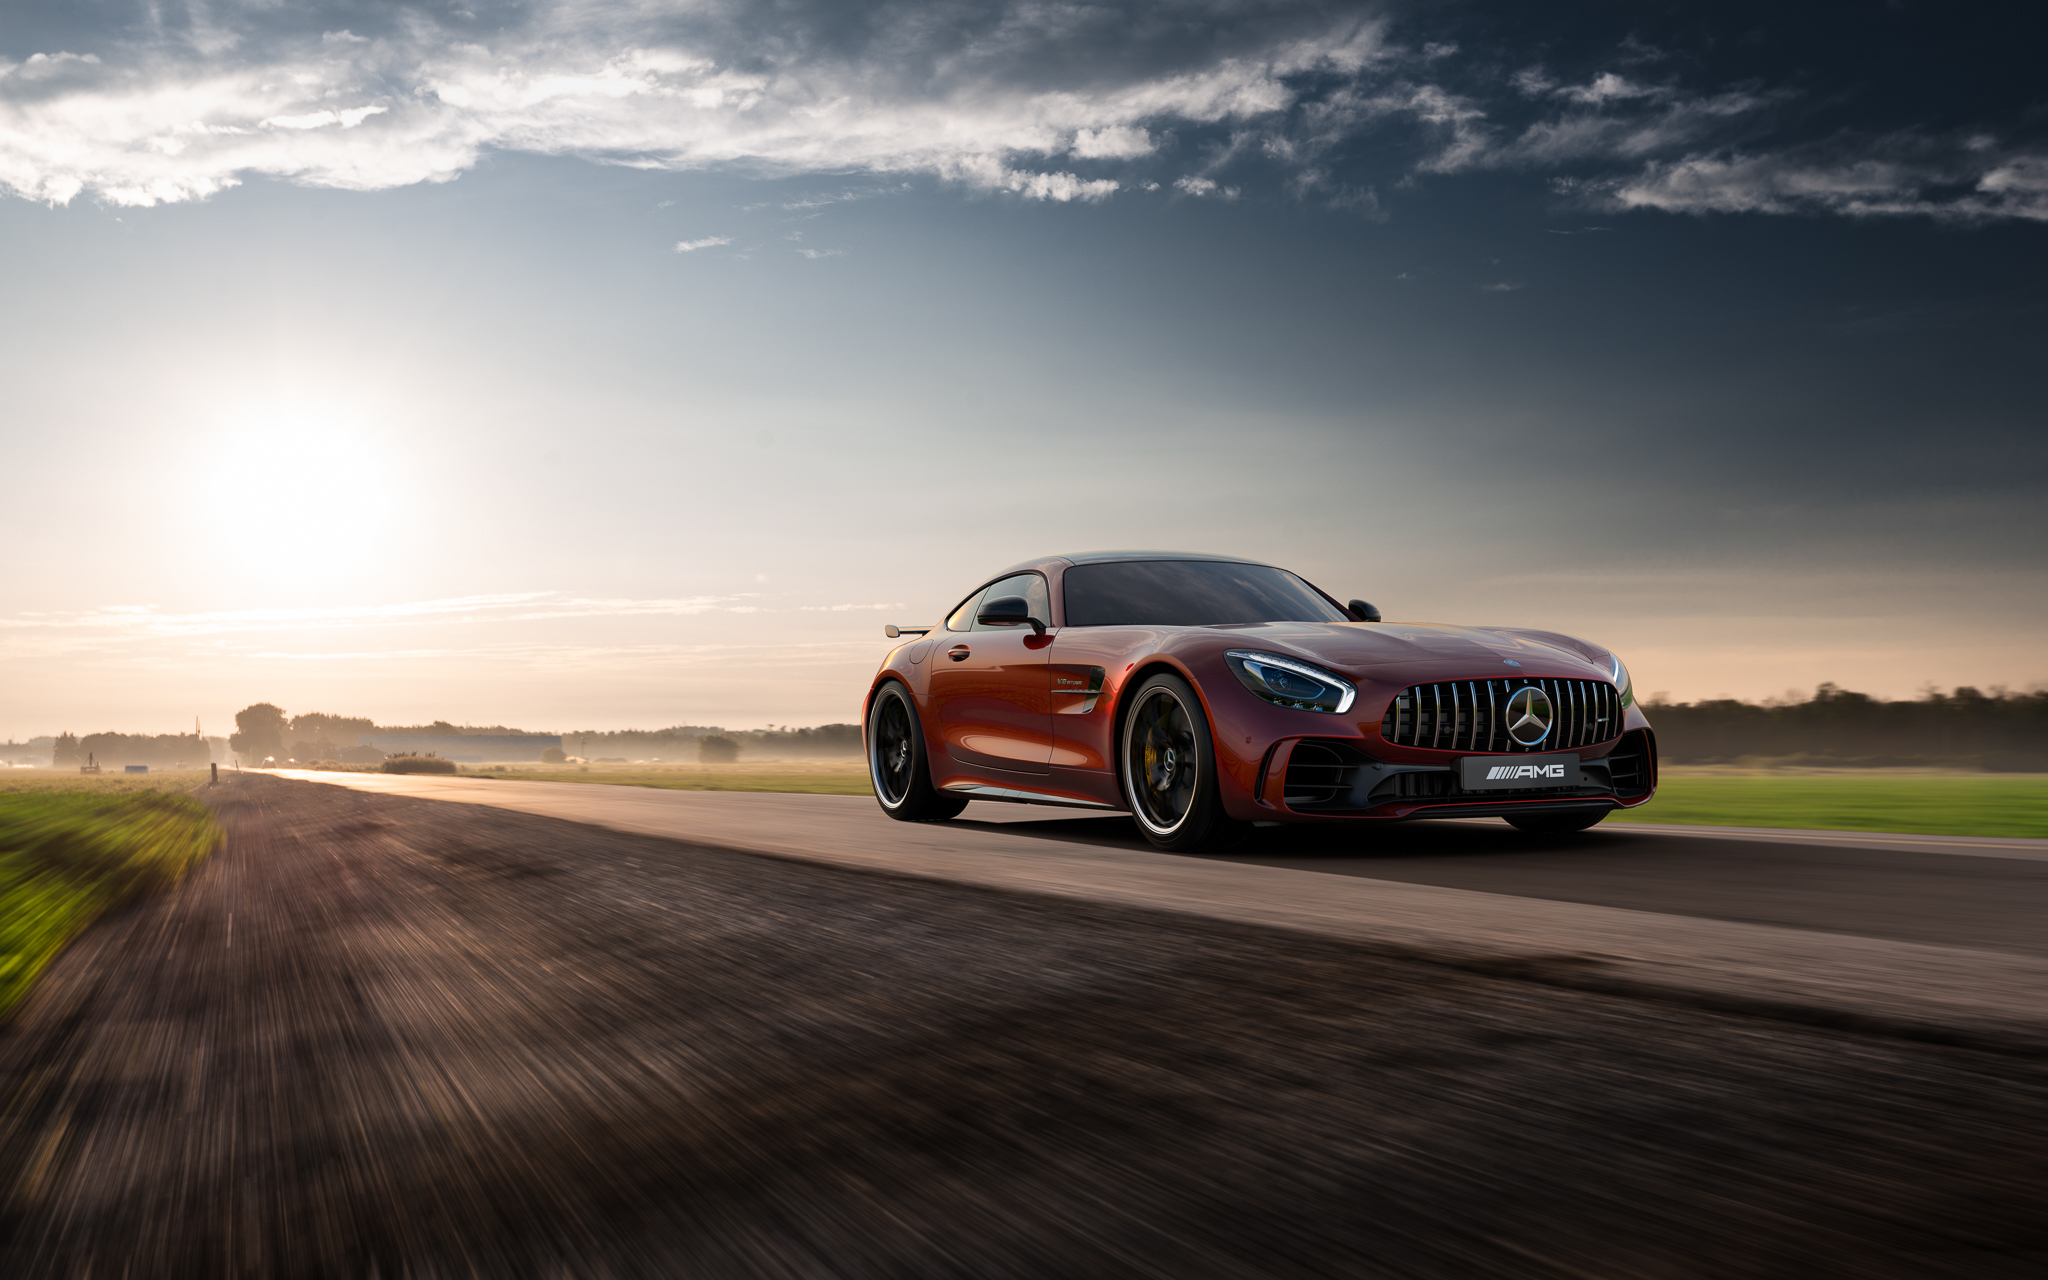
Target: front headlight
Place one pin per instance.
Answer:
(1622, 684)
(1290, 682)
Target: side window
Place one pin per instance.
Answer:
(962, 619)
(1029, 585)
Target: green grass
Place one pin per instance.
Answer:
(1950, 804)
(851, 780)
(71, 850)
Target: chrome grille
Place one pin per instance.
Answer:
(1471, 715)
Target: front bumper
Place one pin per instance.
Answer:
(1324, 778)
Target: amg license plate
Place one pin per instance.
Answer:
(1518, 773)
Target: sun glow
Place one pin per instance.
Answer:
(304, 495)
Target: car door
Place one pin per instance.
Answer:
(991, 686)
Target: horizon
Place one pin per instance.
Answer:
(1650, 699)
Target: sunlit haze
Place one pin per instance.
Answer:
(602, 365)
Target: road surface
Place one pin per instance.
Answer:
(1932, 932)
(385, 1035)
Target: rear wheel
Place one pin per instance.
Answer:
(896, 761)
(1557, 824)
(1168, 766)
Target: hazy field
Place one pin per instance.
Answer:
(827, 777)
(17, 780)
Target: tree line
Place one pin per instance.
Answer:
(264, 730)
(267, 730)
(1967, 728)
(162, 750)
(681, 742)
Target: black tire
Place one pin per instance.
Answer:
(1166, 761)
(897, 765)
(1557, 824)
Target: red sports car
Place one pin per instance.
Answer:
(1204, 693)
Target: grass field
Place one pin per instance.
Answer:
(76, 846)
(1928, 804)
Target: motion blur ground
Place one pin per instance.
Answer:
(382, 1035)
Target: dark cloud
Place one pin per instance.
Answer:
(1694, 109)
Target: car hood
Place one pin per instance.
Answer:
(1363, 646)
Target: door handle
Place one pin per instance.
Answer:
(959, 652)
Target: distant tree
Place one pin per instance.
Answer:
(553, 755)
(716, 748)
(143, 748)
(318, 726)
(259, 732)
(65, 753)
(2000, 730)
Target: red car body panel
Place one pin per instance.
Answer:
(1014, 715)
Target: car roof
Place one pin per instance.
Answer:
(1113, 557)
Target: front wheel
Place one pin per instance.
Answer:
(1557, 824)
(897, 765)
(1168, 767)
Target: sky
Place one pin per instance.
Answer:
(631, 363)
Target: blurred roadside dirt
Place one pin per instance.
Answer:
(396, 1037)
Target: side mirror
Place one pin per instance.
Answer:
(1008, 611)
(1364, 611)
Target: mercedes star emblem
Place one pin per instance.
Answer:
(1529, 716)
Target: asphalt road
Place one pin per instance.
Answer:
(1982, 894)
(378, 1035)
(1988, 895)
(1923, 935)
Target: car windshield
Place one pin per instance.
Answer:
(1189, 593)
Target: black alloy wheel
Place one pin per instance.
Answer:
(1557, 824)
(1168, 767)
(897, 766)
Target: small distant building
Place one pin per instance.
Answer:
(468, 748)
(135, 768)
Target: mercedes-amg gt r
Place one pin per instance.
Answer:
(1202, 694)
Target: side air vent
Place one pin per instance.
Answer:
(1630, 767)
(1472, 715)
(1319, 774)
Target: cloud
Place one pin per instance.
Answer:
(822, 253)
(1900, 176)
(321, 119)
(1603, 88)
(1117, 142)
(1204, 188)
(708, 242)
(125, 622)
(1626, 145)
(1037, 100)
(981, 95)
(1058, 187)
